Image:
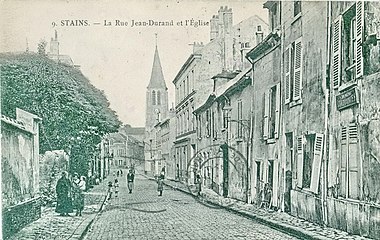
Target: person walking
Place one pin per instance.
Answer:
(160, 184)
(116, 187)
(64, 203)
(130, 180)
(79, 185)
(109, 190)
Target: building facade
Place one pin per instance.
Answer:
(224, 53)
(266, 101)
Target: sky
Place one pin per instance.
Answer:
(117, 59)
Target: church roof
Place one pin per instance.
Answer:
(157, 77)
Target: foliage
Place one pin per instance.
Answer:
(75, 114)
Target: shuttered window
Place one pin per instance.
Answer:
(277, 113)
(317, 161)
(297, 69)
(337, 49)
(359, 38)
(353, 162)
(287, 66)
(349, 178)
(266, 115)
(300, 150)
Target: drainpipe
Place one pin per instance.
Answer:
(326, 154)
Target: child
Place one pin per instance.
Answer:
(116, 186)
(109, 190)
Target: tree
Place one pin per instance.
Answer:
(75, 114)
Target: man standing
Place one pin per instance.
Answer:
(130, 180)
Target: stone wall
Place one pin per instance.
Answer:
(20, 171)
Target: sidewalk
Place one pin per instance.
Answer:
(53, 226)
(278, 220)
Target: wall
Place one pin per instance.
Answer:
(20, 171)
(305, 116)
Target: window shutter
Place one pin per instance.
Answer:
(266, 115)
(297, 69)
(299, 160)
(353, 166)
(278, 104)
(318, 146)
(336, 54)
(343, 163)
(287, 64)
(359, 38)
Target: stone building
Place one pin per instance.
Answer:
(353, 183)
(266, 101)
(193, 84)
(156, 109)
(224, 135)
(20, 171)
(321, 161)
(163, 156)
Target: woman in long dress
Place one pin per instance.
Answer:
(64, 203)
(79, 186)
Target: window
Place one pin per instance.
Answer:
(208, 129)
(309, 159)
(259, 28)
(154, 97)
(347, 54)
(293, 71)
(158, 98)
(199, 126)
(297, 7)
(349, 178)
(272, 112)
(239, 119)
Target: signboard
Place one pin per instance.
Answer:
(347, 99)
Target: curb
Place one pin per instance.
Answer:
(84, 232)
(283, 227)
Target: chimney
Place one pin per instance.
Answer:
(214, 27)
(227, 20)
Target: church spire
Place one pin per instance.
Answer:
(157, 77)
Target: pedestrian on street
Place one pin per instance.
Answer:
(64, 204)
(117, 173)
(109, 190)
(121, 172)
(160, 184)
(199, 184)
(79, 185)
(116, 187)
(130, 180)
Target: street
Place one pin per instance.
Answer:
(175, 215)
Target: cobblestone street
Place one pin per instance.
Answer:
(175, 215)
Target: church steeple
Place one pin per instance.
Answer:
(157, 77)
(156, 95)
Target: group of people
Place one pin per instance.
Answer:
(70, 194)
(113, 187)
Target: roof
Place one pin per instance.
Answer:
(157, 77)
(224, 89)
(189, 60)
(269, 42)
